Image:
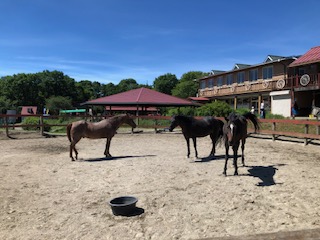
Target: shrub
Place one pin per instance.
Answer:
(274, 116)
(187, 111)
(242, 111)
(216, 108)
(33, 121)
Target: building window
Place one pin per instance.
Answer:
(240, 77)
(267, 72)
(210, 83)
(220, 81)
(203, 84)
(229, 79)
(302, 71)
(253, 75)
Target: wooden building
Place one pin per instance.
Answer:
(248, 85)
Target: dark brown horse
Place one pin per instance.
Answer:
(193, 128)
(104, 129)
(234, 131)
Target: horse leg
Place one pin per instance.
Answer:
(226, 157)
(71, 150)
(188, 146)
(235, 157)
(73, 147)
(106, 151)
(213, 140)
(243, 142)
(195, 146)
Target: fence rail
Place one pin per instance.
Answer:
(159, 123)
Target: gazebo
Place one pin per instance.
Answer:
(141, 99)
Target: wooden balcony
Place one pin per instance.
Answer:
(304, 82)
(275, 84)
(244, 88)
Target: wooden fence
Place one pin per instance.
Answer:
(309, 129)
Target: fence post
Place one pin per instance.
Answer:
(273, 129)
(41, 125)
(306, 130)
(155, 124)
(7, 126)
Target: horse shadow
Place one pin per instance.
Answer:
(209, 159)
(114, 158)
(265, 174)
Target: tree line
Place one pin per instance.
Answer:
(55, 90)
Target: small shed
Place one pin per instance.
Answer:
(29, 110)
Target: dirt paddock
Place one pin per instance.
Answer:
(43, 195)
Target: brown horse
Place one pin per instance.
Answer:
(104, 129)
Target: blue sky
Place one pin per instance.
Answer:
(111, 40)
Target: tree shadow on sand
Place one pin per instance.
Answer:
(265, 174)
(114, 158)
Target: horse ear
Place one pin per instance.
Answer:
(226, 118)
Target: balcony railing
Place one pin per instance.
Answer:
(306, 81)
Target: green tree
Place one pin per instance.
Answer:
(89, 90)
(109, 89)
(165, 83)
(187, 86)
(6, 104)
(127, 84)
(56, 103)
(55, 83)
(21, 89)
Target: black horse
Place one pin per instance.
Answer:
(193, 128)
(234, 131)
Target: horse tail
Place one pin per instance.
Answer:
(220, 131)
(253, 118)
(69, 131)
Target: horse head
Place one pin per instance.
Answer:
(233, 128)
(174, 123)
(128, 120)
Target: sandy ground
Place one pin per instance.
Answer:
(43, 195)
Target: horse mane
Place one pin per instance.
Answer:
(253, 118)
(244, 117)
(184, 118)
(116, 117)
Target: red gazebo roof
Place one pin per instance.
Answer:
(140, 97)
(130, 108)
(312, 56)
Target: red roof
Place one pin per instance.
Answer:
(141, 97)
(312, 56)
(131, 108)
(202, 99)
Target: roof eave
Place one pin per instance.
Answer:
(140, 104)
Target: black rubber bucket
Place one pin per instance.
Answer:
(123, 206)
